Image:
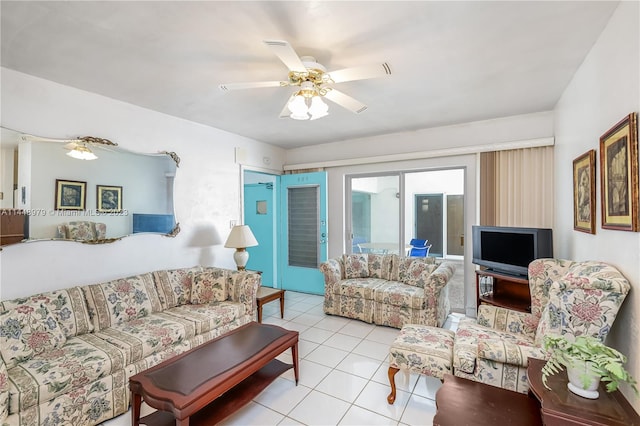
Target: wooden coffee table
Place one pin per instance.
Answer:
(266, 295)
(465, 402)
(208, 383)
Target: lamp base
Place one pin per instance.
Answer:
(241, 257)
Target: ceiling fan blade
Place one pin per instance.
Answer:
(345, 101)
(252, 85)
(360, 73)
(285, 52)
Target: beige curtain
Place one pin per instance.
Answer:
(516, 187)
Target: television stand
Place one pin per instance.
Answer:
(509, 291)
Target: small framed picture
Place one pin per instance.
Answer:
(619, 175)
(70, 195)
(109, 199)
(584, 192)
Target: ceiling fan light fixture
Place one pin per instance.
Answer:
(298, 106)
(318, 107)
(319, 115)
(81, 152)
(307, 103)
(308, 90)
(299, 116)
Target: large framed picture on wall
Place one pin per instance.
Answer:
(619, 175)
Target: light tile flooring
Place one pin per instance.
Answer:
(342, 375)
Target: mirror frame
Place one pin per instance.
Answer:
(92, 141)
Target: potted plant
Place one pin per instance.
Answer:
(588, 361)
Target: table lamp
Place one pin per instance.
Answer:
(240, 238)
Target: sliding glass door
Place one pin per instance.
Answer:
(386, 211)
(374, 214)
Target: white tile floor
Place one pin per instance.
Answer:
(343, 375)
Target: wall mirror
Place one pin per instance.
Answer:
(86, 189)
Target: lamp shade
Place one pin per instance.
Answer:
(241, 237)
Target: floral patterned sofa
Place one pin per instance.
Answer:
(67, 355)
(387, 289)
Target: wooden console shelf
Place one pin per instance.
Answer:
(12, 226)
(560, 407)
(508, 291)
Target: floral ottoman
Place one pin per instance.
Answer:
(420, 349)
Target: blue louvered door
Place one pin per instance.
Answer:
(303, 231)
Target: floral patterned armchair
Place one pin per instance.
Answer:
(82, 231)
(567, 298)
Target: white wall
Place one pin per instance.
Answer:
(207, 186)
(604, 90)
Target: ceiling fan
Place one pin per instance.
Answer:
(315, 83)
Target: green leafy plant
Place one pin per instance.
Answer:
(600, 359)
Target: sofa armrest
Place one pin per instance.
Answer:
(333, 273)
(439, 278)
(506, 352)
(4, 391)
(245, 289)
(508, 320)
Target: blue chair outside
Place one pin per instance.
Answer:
(415, 242)
(419, 251)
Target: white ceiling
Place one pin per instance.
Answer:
(451, 62)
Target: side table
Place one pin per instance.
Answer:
(560, 406)
(266, 295)
(465, 402)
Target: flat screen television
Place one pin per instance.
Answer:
(509, 250)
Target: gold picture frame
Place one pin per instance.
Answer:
(109, 199)
(584, 192)
(71, 195)
(619, 175)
